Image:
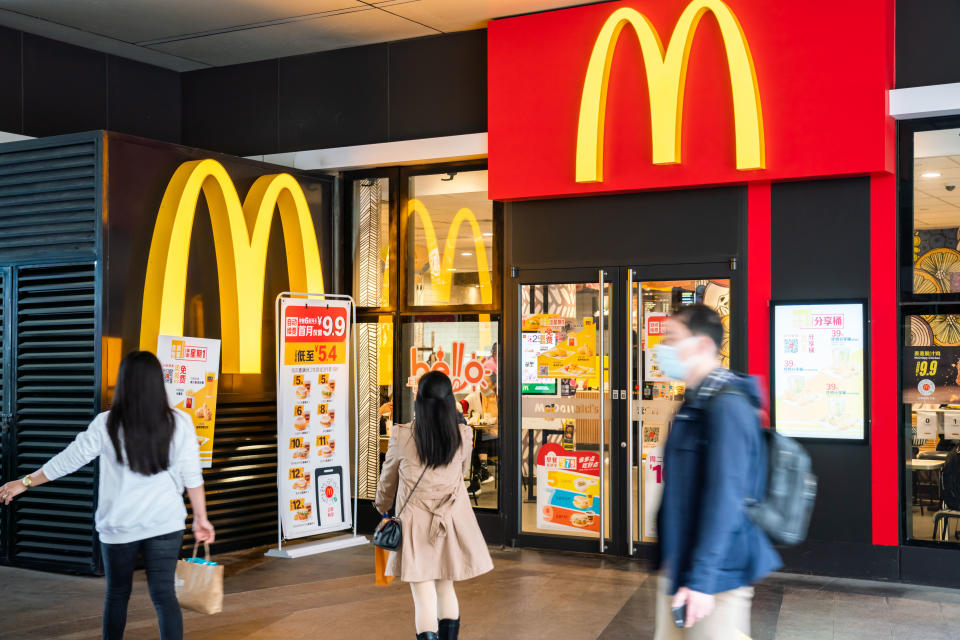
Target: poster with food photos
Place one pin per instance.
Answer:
(191, 369)
(819, 384)
(313, 458)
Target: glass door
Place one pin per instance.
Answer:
(565, 409)
(594, 407)
(655, 398)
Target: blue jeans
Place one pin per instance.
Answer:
(160, 554)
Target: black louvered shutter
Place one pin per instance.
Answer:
(48, 198)
(241, 486)
(55, 399)
(3, 406)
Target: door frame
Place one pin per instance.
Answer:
(618, 528)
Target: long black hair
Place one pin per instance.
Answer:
(435, 429)
(140, 408)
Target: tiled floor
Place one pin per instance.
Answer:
(530, 594)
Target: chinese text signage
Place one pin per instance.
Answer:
(819, 386)
(313, 417)
(190, 372)
(568, 489)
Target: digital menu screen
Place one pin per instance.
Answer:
(533, 344)
(818, 370)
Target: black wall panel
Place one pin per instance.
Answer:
(927, 43)
(418, 88)
(334, 99)
(639, 228)
(143, 100)
(10, 79)
(438, 85)
(820, 248)
(232, 109)
(64, 88)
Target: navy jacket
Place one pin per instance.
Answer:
(715, 459)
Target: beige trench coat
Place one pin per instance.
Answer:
(441, 537)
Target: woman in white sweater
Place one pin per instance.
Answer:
(148, 454)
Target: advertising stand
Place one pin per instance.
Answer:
(316, 348)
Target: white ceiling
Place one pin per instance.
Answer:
(934, 205)
(193, 34)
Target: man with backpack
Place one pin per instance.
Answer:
(715, 468)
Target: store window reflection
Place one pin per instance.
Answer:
(466, 349)
(936, 212)
(371, 242)
(449, 240)
(375, 382)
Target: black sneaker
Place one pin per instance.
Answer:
(485, 475)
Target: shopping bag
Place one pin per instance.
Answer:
(381, 561)
(199, 582)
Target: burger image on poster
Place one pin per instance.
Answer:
(300, 423)
(326, 390)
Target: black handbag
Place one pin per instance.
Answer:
(389, 533)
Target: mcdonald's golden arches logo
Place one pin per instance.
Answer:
(241, 234)
(666, 76)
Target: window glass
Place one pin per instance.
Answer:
(449, 226)
(931, 396)
(936, 212)
(466, 349)
(375, 384)
(371, 242)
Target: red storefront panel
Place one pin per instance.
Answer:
(822, 72)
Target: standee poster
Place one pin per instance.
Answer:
(313, 388)
(190, 372)
(819, 386)
(568, 489)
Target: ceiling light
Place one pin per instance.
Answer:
(930, 174)
(466, 254)
(487, 234)
(452, 269)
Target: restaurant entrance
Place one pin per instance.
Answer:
(594, 407)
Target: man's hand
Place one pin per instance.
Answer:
(699, 605)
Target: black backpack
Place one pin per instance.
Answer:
(784, 513)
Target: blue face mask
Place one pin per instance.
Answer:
(670, 362)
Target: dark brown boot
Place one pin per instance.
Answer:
(449, 629)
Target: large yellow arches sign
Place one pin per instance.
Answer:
(440, 266)
(241, 234)
(666, 77)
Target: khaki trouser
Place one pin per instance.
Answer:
(730, 619)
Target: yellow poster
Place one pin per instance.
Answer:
(191, 369)
(574, 357)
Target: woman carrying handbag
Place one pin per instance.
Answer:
(148, 453)
(441, 541)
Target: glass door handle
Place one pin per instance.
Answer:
(628, 396)
(603, 433)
